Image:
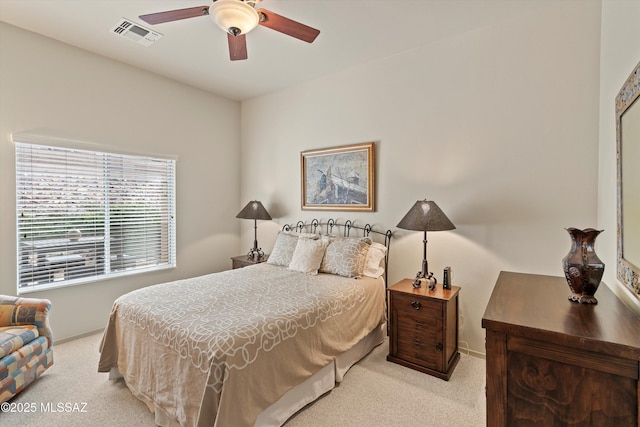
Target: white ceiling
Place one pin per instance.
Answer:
(194, 51)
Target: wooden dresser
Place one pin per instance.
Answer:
(552, 362)
(423, 333)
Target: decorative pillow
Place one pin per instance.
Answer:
(308, 255)
(345, 256)
(373, 260)
(284, 246)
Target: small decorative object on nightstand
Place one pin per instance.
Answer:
(423, 332)
(243, 261)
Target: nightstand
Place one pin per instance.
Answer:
(423, 333)
(243, 261)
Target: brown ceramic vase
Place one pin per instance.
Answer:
(582, 267)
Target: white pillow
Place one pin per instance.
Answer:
(375, 255)
(308, 255)
(345, 256)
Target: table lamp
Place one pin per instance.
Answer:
(255, 211)
(425, 215)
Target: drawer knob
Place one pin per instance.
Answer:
(416, 305)
(439, 346)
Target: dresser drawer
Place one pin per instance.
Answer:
(423, 307)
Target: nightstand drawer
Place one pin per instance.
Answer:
(417, 323)
(417, 305)
(419, 352)
(421, 339)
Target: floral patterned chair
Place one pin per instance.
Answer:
(25, 343)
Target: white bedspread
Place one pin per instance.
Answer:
(218, 349)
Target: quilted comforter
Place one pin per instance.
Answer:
(217, 350)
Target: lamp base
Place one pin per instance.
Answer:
(428, 277)
(255, 253)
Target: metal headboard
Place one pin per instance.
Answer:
(367, 230)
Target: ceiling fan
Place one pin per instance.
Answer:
(237, 18)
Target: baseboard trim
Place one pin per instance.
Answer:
(75, 337)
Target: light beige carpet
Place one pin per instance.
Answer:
(374, 393)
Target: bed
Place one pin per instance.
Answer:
(252, 346)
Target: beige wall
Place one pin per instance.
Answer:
(52, 88)
(620, 53)
(499, 126)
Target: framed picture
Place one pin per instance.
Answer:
(339, 178)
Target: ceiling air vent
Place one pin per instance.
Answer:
(135, 32)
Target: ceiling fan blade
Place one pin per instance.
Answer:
(174, 15)
(287, 26)
(237, 46)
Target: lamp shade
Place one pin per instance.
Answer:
(425, 215)
(254, 210)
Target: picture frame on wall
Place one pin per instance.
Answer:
(339, 178)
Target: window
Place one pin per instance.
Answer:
(84, 215)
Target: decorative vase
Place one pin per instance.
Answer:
(582, 267)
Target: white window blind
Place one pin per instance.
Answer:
(82, 215)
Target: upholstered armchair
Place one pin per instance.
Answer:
(25, 343)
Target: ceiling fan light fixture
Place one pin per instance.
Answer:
(234, 16)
